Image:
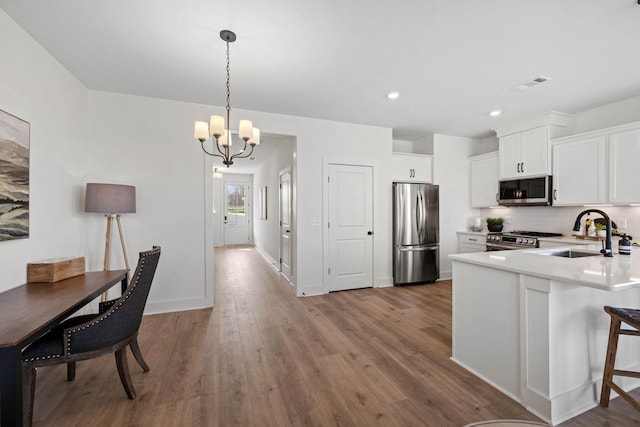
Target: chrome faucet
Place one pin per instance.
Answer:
(607, 248)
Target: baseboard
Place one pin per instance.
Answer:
(274, 263)
(176, 305)
(445, 275)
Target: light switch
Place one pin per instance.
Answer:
(316, 222)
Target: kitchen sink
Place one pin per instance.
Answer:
(570, 253)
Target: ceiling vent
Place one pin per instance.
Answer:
(533, 82)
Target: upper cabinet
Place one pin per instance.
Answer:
(525, 154)
(524, 148)
(583, 174)
(579, 171)
(624, 154)
(483, 185)
(412, 168)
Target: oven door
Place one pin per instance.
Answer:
(491, 247)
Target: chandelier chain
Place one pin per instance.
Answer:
(228, 78)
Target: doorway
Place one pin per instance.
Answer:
(237, 212)
(285, 223)
(349, 227)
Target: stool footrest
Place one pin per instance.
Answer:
(626, 373)
(625, 396)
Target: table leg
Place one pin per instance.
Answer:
(124, 283)
(10, 387)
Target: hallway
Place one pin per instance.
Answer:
(263, 357)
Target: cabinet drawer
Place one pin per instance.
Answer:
(477, 239)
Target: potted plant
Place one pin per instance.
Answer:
(601, 230)
(495, 224)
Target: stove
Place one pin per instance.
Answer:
(516, 240)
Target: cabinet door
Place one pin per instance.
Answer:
(534, 152)
(412, 168)
(468, 242)
(579, 172)
(467, 248)
(525, 154)
(483, 173)
(624, 153)
(422, 169)
(401, 170)
(509, 153)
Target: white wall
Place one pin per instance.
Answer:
(37, 89)
(267, 231)
(616, 113)
(451, 173)
(149, 143)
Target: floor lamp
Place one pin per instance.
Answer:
(111, 200)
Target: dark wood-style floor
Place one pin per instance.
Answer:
(261, 357)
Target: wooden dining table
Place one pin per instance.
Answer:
(27, 312)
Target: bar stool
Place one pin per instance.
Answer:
(632, 318)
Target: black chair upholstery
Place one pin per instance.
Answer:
(89, 336)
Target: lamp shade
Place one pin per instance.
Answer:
(110, 198)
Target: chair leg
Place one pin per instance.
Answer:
(135, 349)
(28, 394)
(123, 371)
(71, 371)
(609, 364)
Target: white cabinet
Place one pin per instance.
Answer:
(412, 168)
(483, 185)
(624, 155)
(525, 154)
(583, 173)
(471, 242)
(579, 171)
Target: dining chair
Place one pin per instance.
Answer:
(84, 337)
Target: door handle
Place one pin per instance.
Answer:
(286, 231)
(522, 167)
(555, 194)
(369, 233)
(518, 167)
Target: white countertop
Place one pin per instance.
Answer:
(611, 274)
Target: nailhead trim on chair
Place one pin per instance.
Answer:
(42, 358)
(130, 290)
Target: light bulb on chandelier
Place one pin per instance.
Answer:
(216, 126)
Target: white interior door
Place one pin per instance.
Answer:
(237, 213)
(350, 199)
(285, 223)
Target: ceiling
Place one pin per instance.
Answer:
(451, 61)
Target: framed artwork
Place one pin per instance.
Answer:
(14, 177)
(263, 202)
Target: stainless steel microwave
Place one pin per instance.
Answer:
(525, 192)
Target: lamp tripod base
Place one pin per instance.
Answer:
(107, 248)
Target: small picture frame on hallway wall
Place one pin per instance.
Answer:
(263, 202)
(14, 177)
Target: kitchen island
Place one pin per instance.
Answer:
(532, 324)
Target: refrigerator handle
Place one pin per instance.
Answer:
(420, 214)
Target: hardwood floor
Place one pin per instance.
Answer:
(262, 357)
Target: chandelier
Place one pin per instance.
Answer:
(216, 126)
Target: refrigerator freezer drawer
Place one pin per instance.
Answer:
(417, 264)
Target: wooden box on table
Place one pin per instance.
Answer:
(55, 269)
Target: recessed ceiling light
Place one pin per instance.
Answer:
(495, 113)
(393, 95)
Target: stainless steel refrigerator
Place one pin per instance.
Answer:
(416, 249)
